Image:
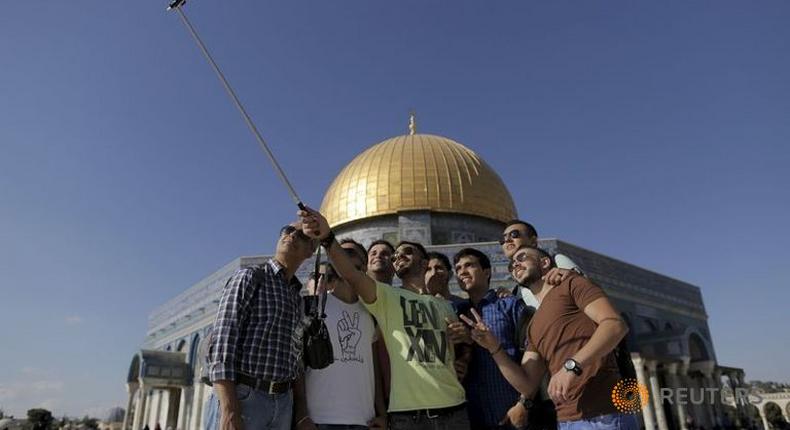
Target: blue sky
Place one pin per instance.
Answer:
(654, 132)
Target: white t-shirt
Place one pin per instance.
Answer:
(344, 392)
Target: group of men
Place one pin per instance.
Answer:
(540, 356)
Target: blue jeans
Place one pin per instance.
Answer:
(259, 410)
(603, 422)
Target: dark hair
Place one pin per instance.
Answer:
(357, 247)
(485, 263)
(381, 242)
(530, 228)
(416, 245)
(433, 255)
(481, 257)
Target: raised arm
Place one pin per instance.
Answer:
(315, 225)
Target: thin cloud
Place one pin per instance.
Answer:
(74, 320)
(29, 370)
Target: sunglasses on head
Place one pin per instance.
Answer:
(289, 230)
(511, 235)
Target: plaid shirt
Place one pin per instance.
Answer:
(258, 330)
(488, 393)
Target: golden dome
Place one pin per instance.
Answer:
(417, 172)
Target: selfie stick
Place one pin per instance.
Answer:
(176, 5)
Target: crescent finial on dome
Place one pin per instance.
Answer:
(412, 123)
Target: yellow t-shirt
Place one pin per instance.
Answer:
(421, 356)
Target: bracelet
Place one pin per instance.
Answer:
(496, 351)
(327, 241)
(306, 417)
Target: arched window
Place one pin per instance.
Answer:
(773, 414)
(134, 369)
(646, 325)
(697, 349)
(193, 350)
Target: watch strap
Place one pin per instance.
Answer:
(526, 402)
(576, 369)
(327, 241)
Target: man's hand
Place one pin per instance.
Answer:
(559, 385)
(379, 422)
(230, 418)
(229, 407)
(502, 292)
(457, 332)
(306, 424)
(516, 416)
(313, 223)
(555, 276)
(481, 333)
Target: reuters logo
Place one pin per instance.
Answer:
(629, 396)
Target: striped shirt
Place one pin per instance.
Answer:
(258, 330)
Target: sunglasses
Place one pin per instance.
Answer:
(511, 235)
(522, 258)
(405, 250)
(289, 230)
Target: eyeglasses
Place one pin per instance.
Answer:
(289, 230)
(510, 235)
(522, 258)
(404, 250)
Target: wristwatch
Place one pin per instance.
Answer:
(572, 365)
(328, 240)
(526, 402)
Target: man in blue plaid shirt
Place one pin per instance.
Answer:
(256, 343)
(488, 393)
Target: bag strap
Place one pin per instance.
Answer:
(323, 304)
(317, 267)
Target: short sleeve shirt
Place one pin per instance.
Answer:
(343, 393)
(421, 356)
(558, 330)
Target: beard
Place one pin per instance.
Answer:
(530, 277)
(407, 269)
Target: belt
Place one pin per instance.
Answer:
(431, 413)
(270, 387)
